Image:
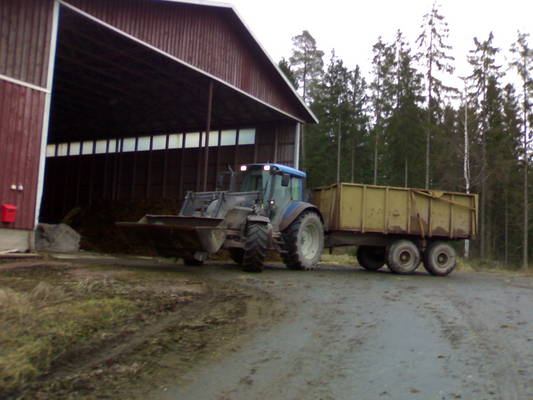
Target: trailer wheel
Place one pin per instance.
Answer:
(236, 255)
(303, 242)
(440, 259)
(403, 257)
(255, 247)
(371, 258)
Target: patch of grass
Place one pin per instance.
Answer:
(475, 264)
(345, 259)
(39, 326)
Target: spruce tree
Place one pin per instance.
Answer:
(523, 63)
(404, 127)
(307, 64)
(381, 95)
(482, 60)
(434, 54)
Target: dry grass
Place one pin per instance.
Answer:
(38, 326)
(345, 260)
(477, 265)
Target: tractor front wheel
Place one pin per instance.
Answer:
(255, 247)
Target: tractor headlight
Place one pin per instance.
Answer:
(244, 168)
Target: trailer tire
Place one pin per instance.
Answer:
(403, 257)
(255, 247)
(303, 242)
(440, 259)
(371, 258)
(236, 255)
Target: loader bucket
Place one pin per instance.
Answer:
(174, 235)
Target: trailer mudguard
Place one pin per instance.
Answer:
(293, 211)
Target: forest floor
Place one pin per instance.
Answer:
(89, 326)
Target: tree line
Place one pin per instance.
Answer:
(405, 126)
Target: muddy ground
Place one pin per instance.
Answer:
(334, 333)
(165, 320)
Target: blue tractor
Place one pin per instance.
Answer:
(264, 209)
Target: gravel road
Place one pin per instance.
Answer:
(352, 334)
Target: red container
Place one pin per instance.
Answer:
(9, 212)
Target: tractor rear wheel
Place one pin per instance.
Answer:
(255, 247)
(371, 258)
(403, 257)
(440, 259)
(303, 242)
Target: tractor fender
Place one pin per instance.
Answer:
(258, 219)
(293, 211)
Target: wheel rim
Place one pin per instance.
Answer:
(442, 259)
(405, 257)
(309, 241)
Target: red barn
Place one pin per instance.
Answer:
(111, 100)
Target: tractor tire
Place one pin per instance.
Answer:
(371, 258)
(236, 255)
(303, 242)
(403, 257)
(255, 247)
(440, 259)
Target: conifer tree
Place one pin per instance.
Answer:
(523, 63)
(482, 60)
(285, 67)
(381, 95)
(307, 65)
(404, 127)
(433, 52)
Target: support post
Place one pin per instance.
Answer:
(207, 130)
(297, 134)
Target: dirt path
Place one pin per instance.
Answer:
(350, 334)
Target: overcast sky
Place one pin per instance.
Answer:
(352, 27)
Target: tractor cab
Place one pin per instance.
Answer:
(279, 185)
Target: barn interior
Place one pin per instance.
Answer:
(126, 125)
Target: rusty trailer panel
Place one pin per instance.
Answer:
(387, 210)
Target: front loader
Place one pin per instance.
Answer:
(267, 212)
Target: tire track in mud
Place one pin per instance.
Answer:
(483, 348)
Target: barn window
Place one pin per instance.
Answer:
(175, 141)
(159, 142)
(74, 149)
(147, 143)
(247, 136)
(128, 144)
(228, 138)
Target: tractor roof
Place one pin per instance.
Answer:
(283, 168)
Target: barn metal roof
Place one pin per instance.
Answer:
(229, 6)
(241, 20)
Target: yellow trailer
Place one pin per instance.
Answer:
(399, 226)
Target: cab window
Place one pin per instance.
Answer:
(253, 181)
(296, 188)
